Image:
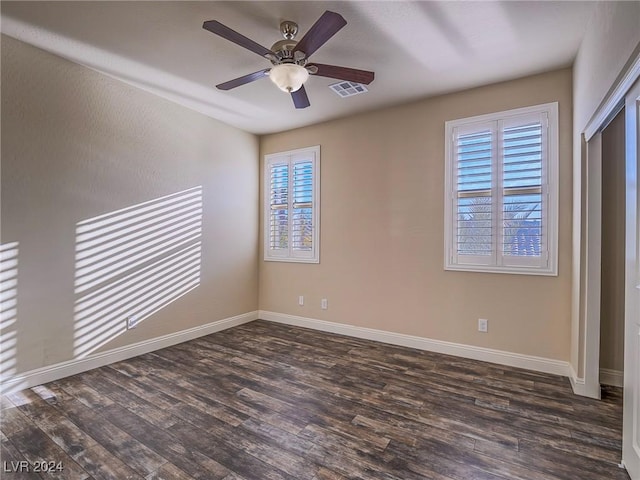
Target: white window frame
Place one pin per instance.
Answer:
(546, 264)
(290, 158)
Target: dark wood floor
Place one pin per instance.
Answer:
(266, 401)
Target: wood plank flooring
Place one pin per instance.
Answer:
(271, 402)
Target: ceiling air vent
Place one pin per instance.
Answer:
(348, 89)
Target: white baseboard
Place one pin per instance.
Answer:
(611, 377)
(78, 365)
(538, 364)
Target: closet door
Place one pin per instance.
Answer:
(631, 422)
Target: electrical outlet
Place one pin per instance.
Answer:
(324, 304)
(483, 325)
(132, 321)
(301, 300)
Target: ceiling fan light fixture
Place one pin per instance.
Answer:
(288, 77)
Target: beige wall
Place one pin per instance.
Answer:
(381, 250)
(613, 213)
(77, 144)
(609, 42)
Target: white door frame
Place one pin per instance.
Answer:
(593, 267)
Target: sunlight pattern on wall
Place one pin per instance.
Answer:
(8, 309)
(132, 263)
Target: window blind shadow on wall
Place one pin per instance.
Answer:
(133, 262)
(8, 309)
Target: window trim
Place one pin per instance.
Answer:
(550, 175)
(289, 157)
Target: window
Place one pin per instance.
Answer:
(501, 192)
(292, 205)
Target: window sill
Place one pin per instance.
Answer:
(292, 260)
(546, 272)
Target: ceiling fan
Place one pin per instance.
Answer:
(290, 58)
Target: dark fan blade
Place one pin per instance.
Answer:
(344, 73)
(321, 31)
(236, 82)
(225, 32)
(300, 99)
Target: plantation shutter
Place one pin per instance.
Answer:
(499, 193)
(475, 213)
(302, 218)
(279, 207)
(292, 209)
(523, 184)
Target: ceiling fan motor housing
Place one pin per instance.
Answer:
(284, 48)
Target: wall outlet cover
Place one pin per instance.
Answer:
(132, 321)
(483, 325)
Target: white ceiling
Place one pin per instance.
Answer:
(416, 49)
